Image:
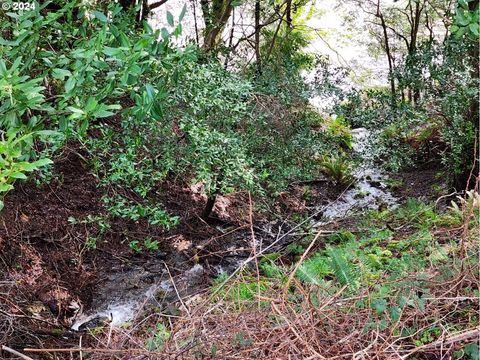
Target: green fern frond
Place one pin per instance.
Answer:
(342, 268)
(314, 270)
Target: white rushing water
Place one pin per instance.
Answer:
(121, 308)
(369, 190)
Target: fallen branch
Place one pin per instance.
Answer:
(92, 350)
(452, 339)
(15, 352)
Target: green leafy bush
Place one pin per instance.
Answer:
(13, 167)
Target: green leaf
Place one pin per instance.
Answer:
(16, 64)
(5, 187)
(462, 17)
(164, 33)
(182, 13)
(379, 305)
(150, 91)
(100, 16)
(18, 175)
(75, 110)
(91, 104)
(454, 28)
(124, 40)
(148, 29)
(60, 74)
(3, 68)
(178, 30)
(170, 18)
(109, 51)
(114, 107)
(43, 162)
(474, 28)
(70, 84)
(395, 313)
(36, 164)
(471, 350)
(341, 267)
(460, 32)
(47, 133)
(103, 113)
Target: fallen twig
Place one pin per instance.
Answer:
(15, 352)
(452, 339)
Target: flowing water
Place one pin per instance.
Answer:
(369, 191)
(127, 289)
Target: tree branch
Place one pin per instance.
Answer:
(157, 4)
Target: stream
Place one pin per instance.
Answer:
(127, 289)
(369, 190)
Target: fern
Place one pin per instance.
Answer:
(314, 270)
(342, 268)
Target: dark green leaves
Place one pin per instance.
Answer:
(170, 20)
(100, 16)
(70, 84)
(182, 13)
(12, 165)
(466, 21)
(61, 74)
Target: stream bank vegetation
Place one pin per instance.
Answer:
(195, 181)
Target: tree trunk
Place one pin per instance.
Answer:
(195, 20)
(390, 64)
(416, 15)
(257, 38)
(209, 207)
(289, 14)
(216, 17)
(230, 41)
(389, 56)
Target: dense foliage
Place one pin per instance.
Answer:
(167, 111)
(147, 126)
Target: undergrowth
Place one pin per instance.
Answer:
(405, 282)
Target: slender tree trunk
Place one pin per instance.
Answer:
(272, 43)
(289, 14)
(389, 56)
(474, 56)
(416, 15)
(195, 20)
(257, 39)
(230, 41)
(390, 61)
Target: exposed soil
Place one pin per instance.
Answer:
(422, 183)
(42, 259)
